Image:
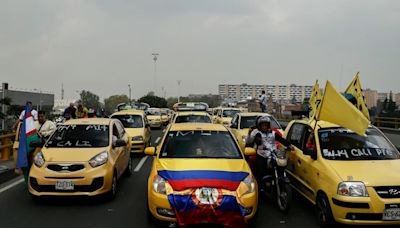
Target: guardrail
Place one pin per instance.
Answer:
(6, 145)
(388, 122)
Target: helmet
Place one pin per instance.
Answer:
(262, 119)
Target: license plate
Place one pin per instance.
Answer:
(65, 185)
(391, 214)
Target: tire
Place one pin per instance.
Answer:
(284, 199)
(114, 188)
(129, 168)
(323, 211)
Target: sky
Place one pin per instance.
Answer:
(102, 46)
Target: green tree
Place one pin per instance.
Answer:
(90, 100)
(111, 103)
(7, 102)
(154, 101)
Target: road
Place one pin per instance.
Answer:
(128, 210)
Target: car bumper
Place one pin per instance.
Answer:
(362, 210)
(87, 182)
(137, 147)
(157, 203)
(155, 123)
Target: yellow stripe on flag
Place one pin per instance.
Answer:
(355, 89)
(336, 109)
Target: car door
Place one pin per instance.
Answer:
(146, 130)
(299, 163)
(234, 126)
(124, 150)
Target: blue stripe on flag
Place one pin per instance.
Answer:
(203, 175)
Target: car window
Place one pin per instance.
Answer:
(343, 144)
(229, 113)
(250, 121)
(200, 144)
(192, 119)
(121, 130)
(235, 120)
(80, 136)
(296, 134)
(130, 121)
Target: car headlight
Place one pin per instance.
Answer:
(159, 185)
(355, 189)
(244, 137)
(250, 183)
(99, 159)
(137, 138)
(39, 159)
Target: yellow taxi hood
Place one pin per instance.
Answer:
(182, 164)
(71, 154)
(372, 173)
(134, 131)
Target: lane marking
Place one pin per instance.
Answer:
(164, 130)
(12, 185)
(139, 166)
(157, 140)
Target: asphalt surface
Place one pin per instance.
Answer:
(17, 209)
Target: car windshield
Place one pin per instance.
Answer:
(229, 113)
(200, 144)
(80, 136)
(130, 121)
(153, 113)
(250, 121)
(342, 144)
(192, 119)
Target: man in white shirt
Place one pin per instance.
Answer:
(33, 112)
(44, 127)
(263, 101)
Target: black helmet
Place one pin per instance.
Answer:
(262, 119)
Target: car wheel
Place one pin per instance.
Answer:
(114, 188)
(324, 213)
(129, 168)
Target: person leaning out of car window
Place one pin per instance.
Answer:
(44, 126)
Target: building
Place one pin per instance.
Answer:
(282, 93)
(397, 99)
(383, 96)
(371, 98)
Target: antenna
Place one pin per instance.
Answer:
(62, 91)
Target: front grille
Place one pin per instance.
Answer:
(364, 216)
(388, 192)
(66, 167)
(97, 183)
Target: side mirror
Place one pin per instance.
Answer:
(151, 151)
(249, 151)
(36, 144)
(120, 142)
(310, 152)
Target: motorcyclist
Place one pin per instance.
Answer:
(264, 139)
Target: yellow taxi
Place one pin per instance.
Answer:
(198, 175)
(214, 114)
(242, 122)
(351, 179)
(83, 157)
(154, 117)
(192, 117)
(164, 116)
(137, 126)
(225, 115)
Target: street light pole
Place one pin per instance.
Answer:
(155, 72)
(179, 90)
(130, 98)
(3, 110)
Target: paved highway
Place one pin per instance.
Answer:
(128, 210)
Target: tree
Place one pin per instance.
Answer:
(111, 103)
(90, 100)
(7, 102)
(154, 101)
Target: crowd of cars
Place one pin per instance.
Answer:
(201, 172)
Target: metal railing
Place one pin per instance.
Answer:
(6, 146)
(388, 122)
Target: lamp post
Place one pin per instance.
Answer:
(155, 72)
(179, 90)
(130, 98)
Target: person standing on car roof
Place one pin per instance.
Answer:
(263, 139)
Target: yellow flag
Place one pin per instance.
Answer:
(315, 100)
(336, 109)
(354, 90)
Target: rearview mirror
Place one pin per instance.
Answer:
(36, 144)
(151, 151)
(249, 151)
(120, 142)
(310, 152)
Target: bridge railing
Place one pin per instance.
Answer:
(387, 122)
(6, 145)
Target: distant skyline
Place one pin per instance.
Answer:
(102, 46)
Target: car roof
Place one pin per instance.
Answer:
(254, 114)
(197, 126)
(230, 109)
(88, 121)
(128, 112)
(195, 113)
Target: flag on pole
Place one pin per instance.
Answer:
(355, 95)
(336, 109)
(315, 100)
(27, 135)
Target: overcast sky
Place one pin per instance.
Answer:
(103, 46)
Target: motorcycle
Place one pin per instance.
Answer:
(277, 183)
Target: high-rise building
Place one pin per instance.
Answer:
(383, 96)
(371, 97)
(278, 92)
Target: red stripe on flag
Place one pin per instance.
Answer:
(31, 132)
(27, 115)
(179, 185)
(209, 215)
